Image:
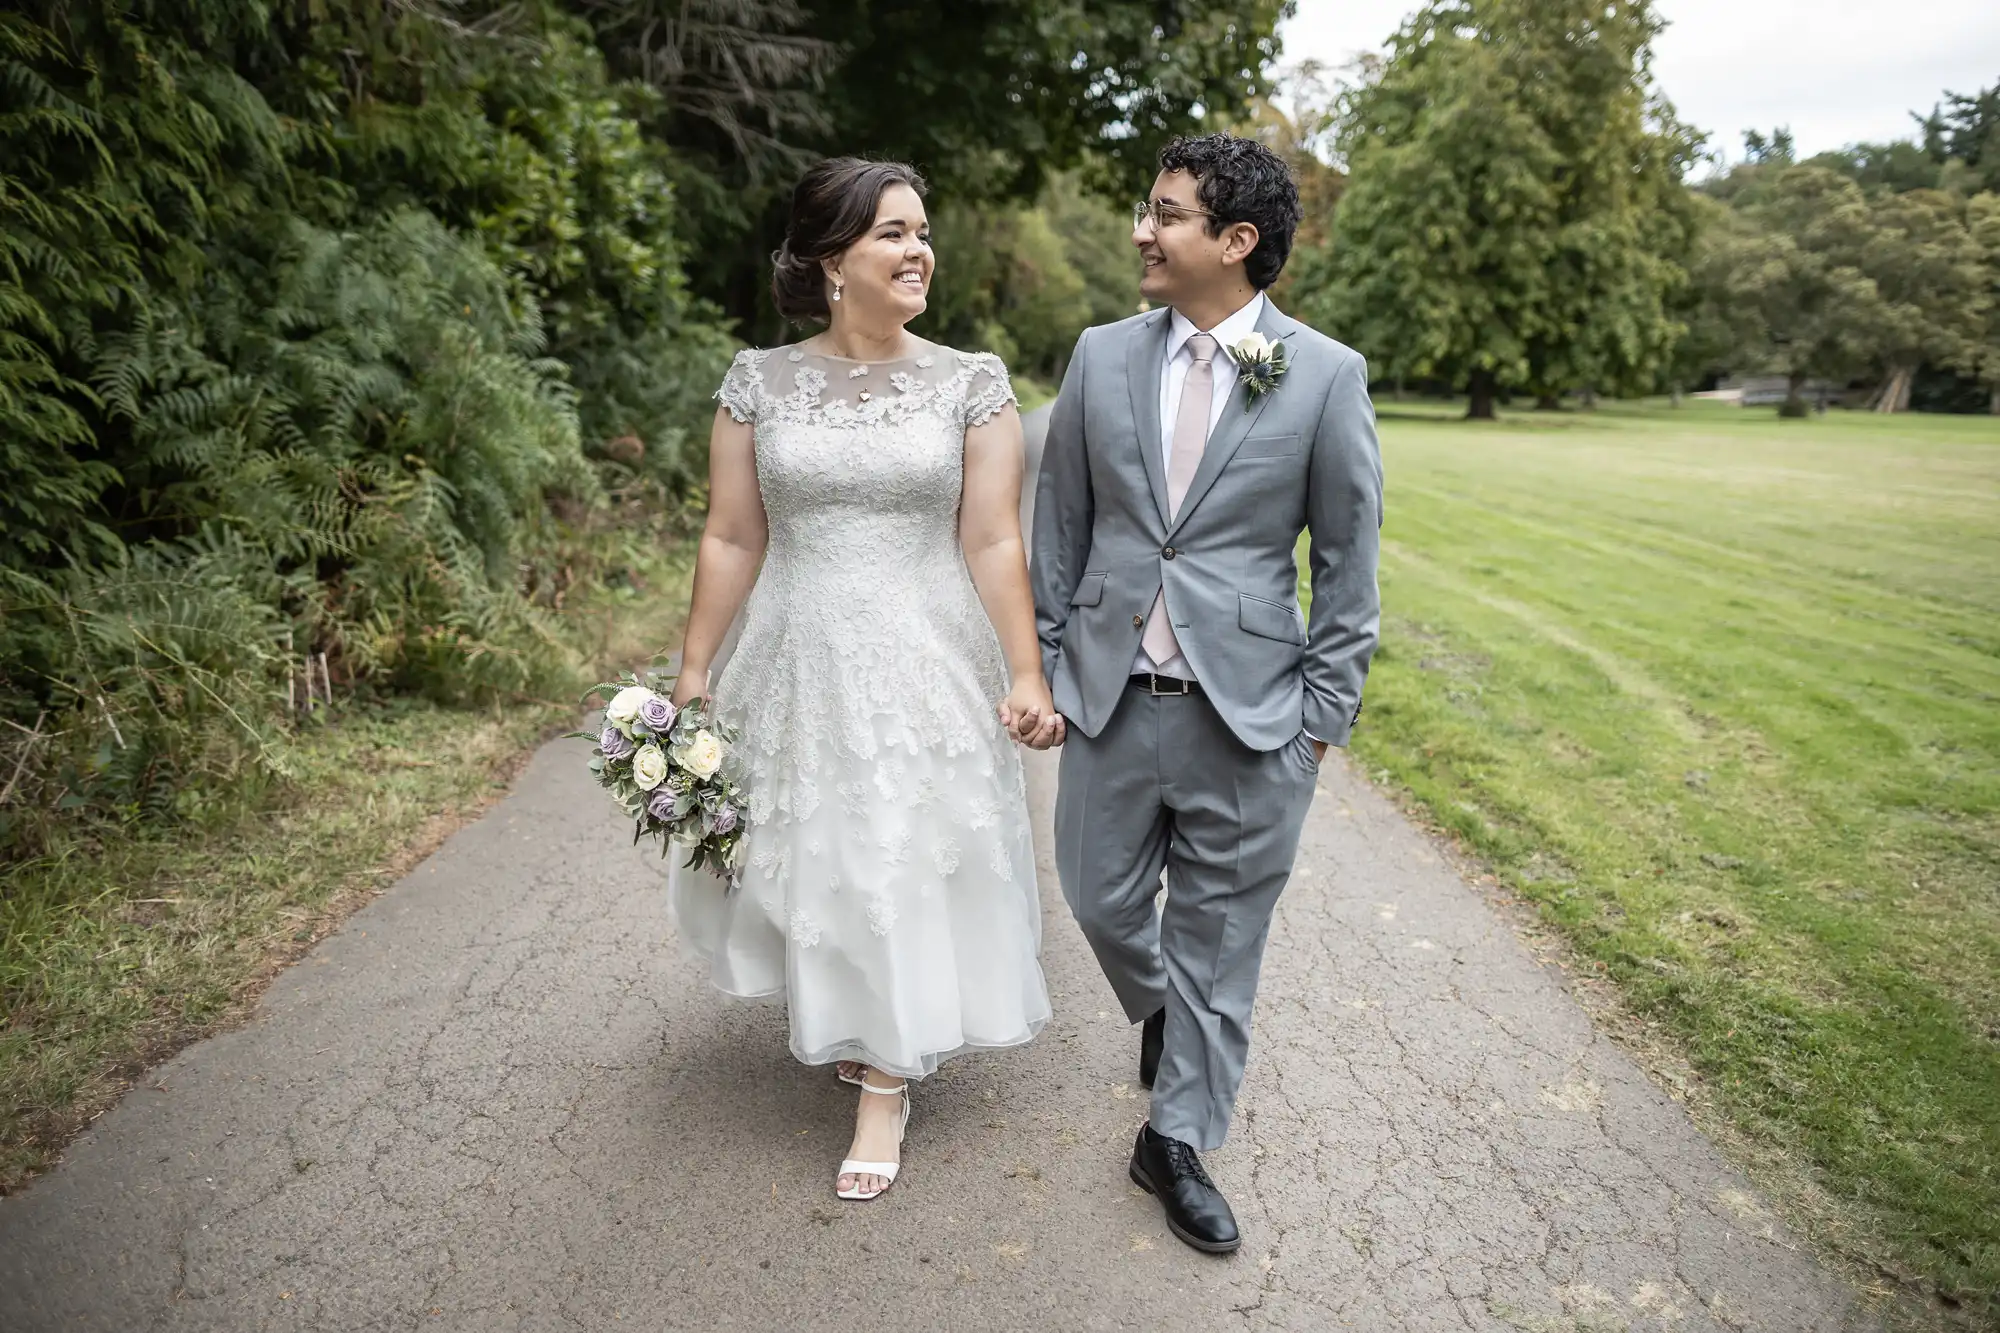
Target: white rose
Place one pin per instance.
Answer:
(649, 767)
(702, 755)
(624, 707)
(1252, 347)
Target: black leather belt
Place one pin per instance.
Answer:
(1163, 685)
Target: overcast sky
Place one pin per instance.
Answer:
(1836, 71)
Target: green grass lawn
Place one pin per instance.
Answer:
(1721, 694)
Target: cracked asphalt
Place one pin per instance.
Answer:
(498, 1099)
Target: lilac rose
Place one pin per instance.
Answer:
(657, 714)
(660, 805)
(615, 743)
(725, 820)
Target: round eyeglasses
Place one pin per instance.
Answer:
(1163, 214)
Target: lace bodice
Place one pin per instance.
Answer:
(792, 384)
(862, 460)
(864, 590)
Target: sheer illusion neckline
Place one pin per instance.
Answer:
(923, 349)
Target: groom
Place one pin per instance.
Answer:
(1196, 699)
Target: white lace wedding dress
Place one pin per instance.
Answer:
(888, 891)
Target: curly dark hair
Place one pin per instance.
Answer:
(1240, 180)
(833, 206)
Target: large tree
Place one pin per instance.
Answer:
(1982, 220)
(1705, 306)
(1929, 272)
(1785, 272)
(1514, 218)
(986, 97)
(1966, 128)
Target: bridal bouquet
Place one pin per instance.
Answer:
(663, 766)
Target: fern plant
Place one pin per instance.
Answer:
(309, 322)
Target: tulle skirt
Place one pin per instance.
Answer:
(887, 893)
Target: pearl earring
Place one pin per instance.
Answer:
(836, 291)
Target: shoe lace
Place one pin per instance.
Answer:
(1186, 1161)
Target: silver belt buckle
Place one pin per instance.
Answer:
(1153, 686)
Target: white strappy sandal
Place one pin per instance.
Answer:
(886, 1170)
(858, 1080)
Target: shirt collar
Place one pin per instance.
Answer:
(1231, 330)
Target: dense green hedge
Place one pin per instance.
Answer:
(323, 328)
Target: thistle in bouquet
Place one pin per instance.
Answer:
(664, 767)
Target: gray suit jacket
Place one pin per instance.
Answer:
(1303, 457)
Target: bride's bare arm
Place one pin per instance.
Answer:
(732, 545)
(989, 530)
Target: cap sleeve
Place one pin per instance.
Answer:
(987, 388)
(743, 386)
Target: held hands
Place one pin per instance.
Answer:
(1029, 713)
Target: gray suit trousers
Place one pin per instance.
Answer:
(1166, 784)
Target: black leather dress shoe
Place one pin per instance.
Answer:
(1196, 1211)
(1152, 1036)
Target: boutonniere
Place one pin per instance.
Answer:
(1260, 364)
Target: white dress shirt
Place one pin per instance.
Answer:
(1179, 359)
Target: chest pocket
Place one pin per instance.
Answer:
(1270, 446)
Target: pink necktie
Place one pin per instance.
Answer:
(1190, 438)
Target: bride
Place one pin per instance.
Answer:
(885, 659)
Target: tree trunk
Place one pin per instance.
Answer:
(1547, 402)
(1795, 403)
(1674, 397)
(1895, 392)
(1993, 403)
(1587, 400)
(1479, 397)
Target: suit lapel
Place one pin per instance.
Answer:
(1237, 420)
(1145, 362)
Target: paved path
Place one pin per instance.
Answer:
(498, 1100)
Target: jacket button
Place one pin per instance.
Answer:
(1138, 622)
(1168, 553)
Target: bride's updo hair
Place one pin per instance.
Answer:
(833, 206)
